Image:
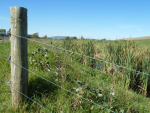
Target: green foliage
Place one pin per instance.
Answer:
(126, 53)
(103, 39)
(39, 59)
(75, 77)
(82, 38)
(67, 38)
(85, 48)
(2, 32)
(29, 36)
(74, 38)
(35, 35)
(44, 37)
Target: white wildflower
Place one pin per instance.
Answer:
(55, 73)
(100, 95)
(61, 111)
(121, 111)
(78, 89)
(113, 93)
(29, 58)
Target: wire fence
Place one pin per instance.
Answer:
(83, 55)
(55, 85)
(62, 87)
(25, 95)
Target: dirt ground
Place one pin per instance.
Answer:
(137, 38)
(6, 40)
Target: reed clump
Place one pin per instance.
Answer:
(129, 54)
(123, 53)
(66, 70)
(82, 47)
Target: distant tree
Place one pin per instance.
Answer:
(67, 38)
(103, 39)
(35, 35)
(44, 37)
(82, 38)
(2, 32)
(29, 36)
(74, 37)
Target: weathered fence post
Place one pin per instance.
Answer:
(19, 76)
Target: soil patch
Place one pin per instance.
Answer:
(136, 38)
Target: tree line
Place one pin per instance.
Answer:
(73, 38)
(36, 35)
(2, 32)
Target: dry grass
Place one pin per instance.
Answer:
(136, 38)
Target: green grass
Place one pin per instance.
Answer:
(75, 75)
(145, 42)
(1, 37)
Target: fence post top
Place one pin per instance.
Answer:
(17, 7)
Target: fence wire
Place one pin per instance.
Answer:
(60, 86)
(25, 95)
(82, 55)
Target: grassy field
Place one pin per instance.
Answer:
(144, 42)
(117, 89)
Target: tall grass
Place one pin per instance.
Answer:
(85, 47)
(77, 74)
(124, 53)
(129, 54)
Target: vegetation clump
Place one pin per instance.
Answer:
(61, 72)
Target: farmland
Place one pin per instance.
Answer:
(112, 87)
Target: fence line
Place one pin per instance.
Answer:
(61, 87)
(19, 19)
(82, 55)
(26, 96)
(74, 53)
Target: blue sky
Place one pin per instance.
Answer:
(93, 19)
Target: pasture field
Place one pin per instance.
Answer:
(145, 42)
(115, 88)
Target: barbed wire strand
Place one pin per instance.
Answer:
(61, 87)
(26, 96)
(82, 55)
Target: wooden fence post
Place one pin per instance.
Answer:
(19, 76)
